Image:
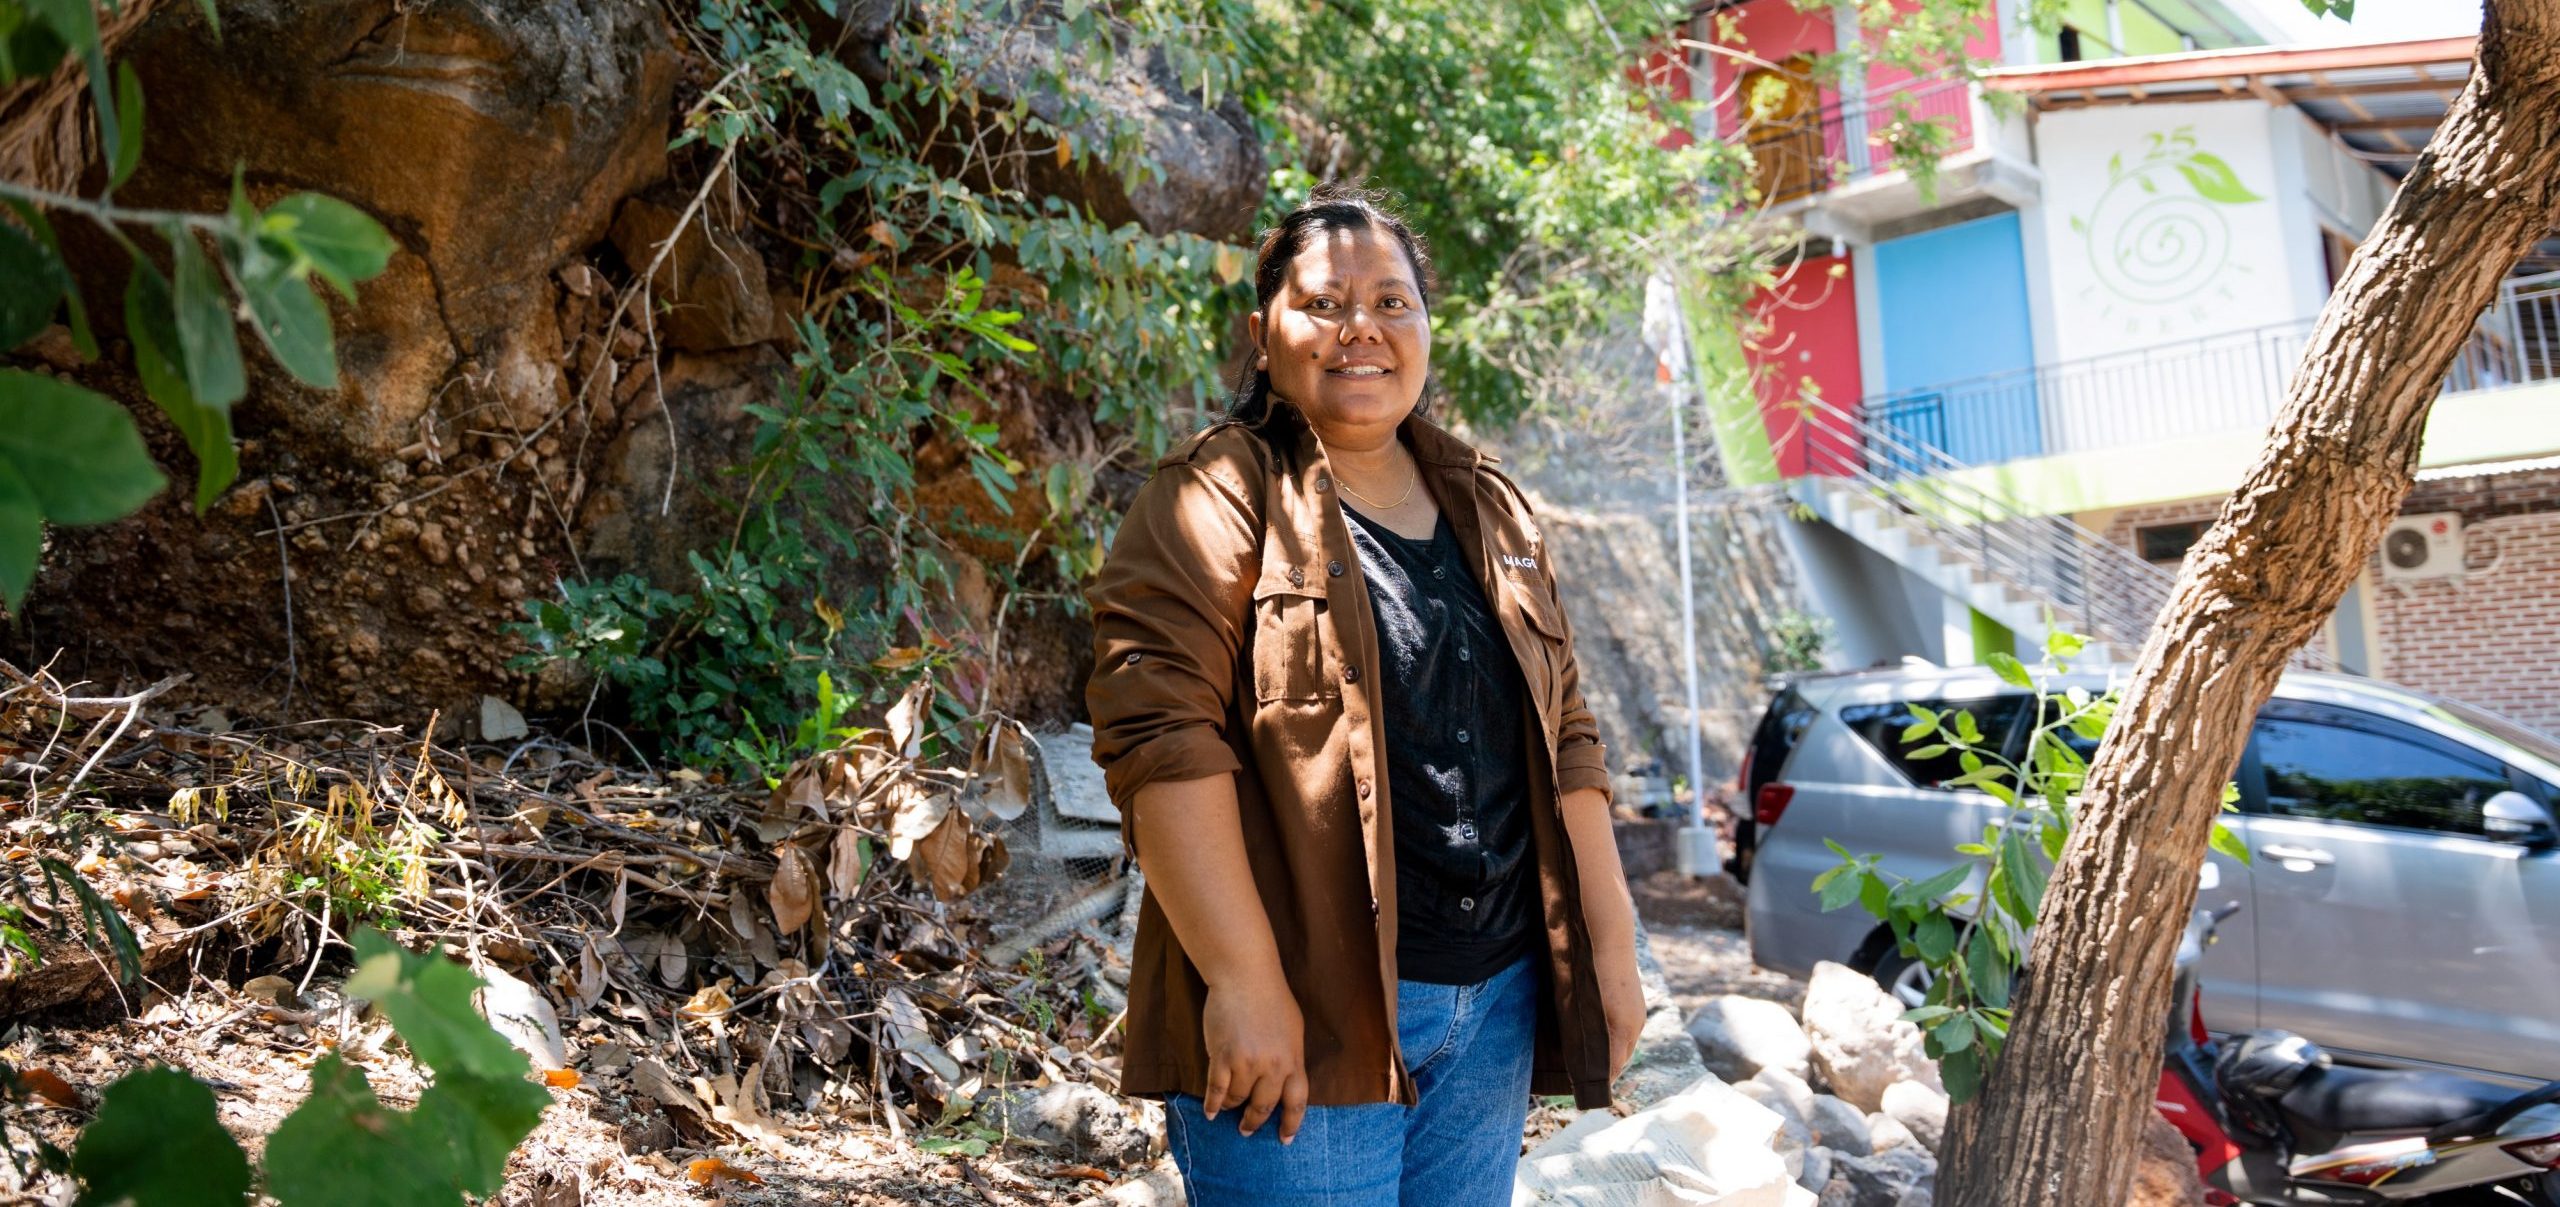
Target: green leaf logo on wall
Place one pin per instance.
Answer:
(2158, 233)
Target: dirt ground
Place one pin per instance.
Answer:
(608, 1144)
(1696, 930)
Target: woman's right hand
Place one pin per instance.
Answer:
(1256, 1041)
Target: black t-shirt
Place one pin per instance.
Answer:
(1457, 762)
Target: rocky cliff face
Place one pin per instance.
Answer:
(1620, 574)
(499, 428)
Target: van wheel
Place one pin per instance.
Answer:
(1907, 979)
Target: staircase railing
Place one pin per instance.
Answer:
(2092, 586)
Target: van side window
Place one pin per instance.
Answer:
(2335, 766)
(1881, 725)
(1780, 729)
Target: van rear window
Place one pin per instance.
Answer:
(1881, 726)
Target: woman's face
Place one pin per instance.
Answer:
(1346, 338)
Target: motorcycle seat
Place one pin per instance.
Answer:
(2338, 1099)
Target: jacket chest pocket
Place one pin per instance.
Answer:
(1288, 638)
(1543, 664)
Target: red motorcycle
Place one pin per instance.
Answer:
(2273, 1120)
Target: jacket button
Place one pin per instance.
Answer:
(1297, 577)
(1464, 737)
(1333, 568)
(1351, 674)
(1364, 789)
(1132, 659)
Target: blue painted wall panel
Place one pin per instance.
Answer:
(1959, 352)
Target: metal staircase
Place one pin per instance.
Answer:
(2031, 572)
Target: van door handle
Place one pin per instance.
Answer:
(2303, 854)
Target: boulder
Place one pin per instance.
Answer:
(1075, 1120)
(1901, 1177)
(708, 293)
(1919, 1108)
(493, 139)
(1840, 1127)
(1789, 1088)
(1739, 1036)
(1884, 1133)
(1817, 1169)
(2166, 1173)
(1860, 1043)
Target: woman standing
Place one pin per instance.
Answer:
(1335, 699)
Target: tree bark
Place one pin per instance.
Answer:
(2060, 1119)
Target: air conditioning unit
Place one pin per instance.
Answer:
(2423, 546)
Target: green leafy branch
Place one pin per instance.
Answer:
(157, 1142)
(69, 455)
(1970, 925)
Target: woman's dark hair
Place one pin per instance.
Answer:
(1330, 207)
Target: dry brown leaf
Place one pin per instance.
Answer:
(1004, 784)
(589, 981)
(900, 658)
(907, 719)
(561, 1079)
(913, 814)
(846, 861)
(948, 858)
(711, 1001)
(794, 891)
(733, 1102)
(273, 990)
(711, 1171)
(49, 1086)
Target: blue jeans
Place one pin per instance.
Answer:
(1469, 1050)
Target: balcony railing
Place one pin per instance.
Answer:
(2229, 382)
(1812, 152)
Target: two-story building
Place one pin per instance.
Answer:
(2022, 388)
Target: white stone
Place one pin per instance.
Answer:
(1708, 1145)
(1860, 1043)
(1792, 1089)
(1919, 1108)
(1886, 1133)
(1739, 1036)
(1075, 1119)
(1840, 1127)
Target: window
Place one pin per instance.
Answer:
(2070, 45)
(2337, 766)
(1780, 728)
(1881, 725)
(2168, 542)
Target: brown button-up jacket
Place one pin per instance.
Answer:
(1232, 634)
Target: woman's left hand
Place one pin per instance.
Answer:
(1622, 996)
(1609, 913)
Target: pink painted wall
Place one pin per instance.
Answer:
(1664, 72)
(1809, 331)
(1774, 29)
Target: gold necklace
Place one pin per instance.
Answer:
(1373, 503)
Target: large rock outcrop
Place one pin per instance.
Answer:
(498, 430)
(493, 139)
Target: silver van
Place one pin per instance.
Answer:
(2404, 903)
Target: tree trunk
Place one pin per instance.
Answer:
(2060, 1120)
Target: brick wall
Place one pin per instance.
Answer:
(2490, 637)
